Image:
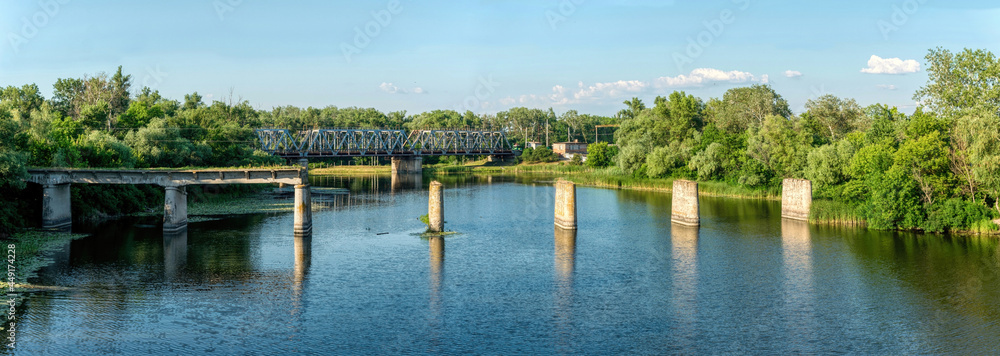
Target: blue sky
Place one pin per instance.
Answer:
(490, 55)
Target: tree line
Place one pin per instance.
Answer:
(935, 169)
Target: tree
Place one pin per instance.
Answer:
(192, 101)
(709, 162)
(779, 147)
(22, 100)
(838, 116)
(633, 108)
(827, 165)
(600, 154)
(960, 82)
(744, 108)
(119, 87)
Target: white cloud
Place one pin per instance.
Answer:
(886, 86)
(793, 73)
(610, 89)
(389, 88)
(393, 89)
(879, 65)
(561, 95)
(702, 76)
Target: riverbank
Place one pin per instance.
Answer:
(32, 251)
(823, 211)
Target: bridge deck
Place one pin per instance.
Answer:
(49, 176)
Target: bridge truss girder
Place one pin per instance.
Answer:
(382, 143)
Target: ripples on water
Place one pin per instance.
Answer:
(628, 282)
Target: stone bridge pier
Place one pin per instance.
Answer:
(56, 214)
(407, 165)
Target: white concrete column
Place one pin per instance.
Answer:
(56, 207)
(435, 207)
(684, 208)
(565, 211)
(303, 210)
(796, 199)
(175, 209)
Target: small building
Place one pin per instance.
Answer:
(568, 149)
(534, 145)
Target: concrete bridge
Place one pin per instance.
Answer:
(57, 215)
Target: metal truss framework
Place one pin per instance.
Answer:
(383, 143)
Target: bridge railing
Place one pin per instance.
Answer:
(372, 142)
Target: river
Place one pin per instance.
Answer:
(508, 283)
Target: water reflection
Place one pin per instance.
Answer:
(303, 259)
(799, 293)
(684, 256)
(175, 250)
(437, 267)
(401, 182)
(565, 261)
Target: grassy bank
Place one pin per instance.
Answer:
(613, 177)
(829, 212)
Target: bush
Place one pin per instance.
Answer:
(601, 155)
(956, 214)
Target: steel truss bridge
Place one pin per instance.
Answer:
(383, 143)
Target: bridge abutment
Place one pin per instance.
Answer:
(684, 208)
(175, 209)
(435, 207)
(407, 165)
(796, 199)
(565, 213)
(56, 207)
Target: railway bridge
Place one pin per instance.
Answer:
(405, 149)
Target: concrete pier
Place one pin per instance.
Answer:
(175, 209)
(303, 210)
(565, 212)
(56, 213)
(684, 209)
(407, 165)
(796, 199)
(435, 207)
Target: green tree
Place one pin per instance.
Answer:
(961, 81)
(838, 116)
(600, 154)
(744, 108)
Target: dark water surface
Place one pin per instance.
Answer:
(627, 282)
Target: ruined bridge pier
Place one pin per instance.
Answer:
(56, 205)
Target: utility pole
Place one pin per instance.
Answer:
(546, 131)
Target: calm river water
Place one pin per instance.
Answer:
(507, 283)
